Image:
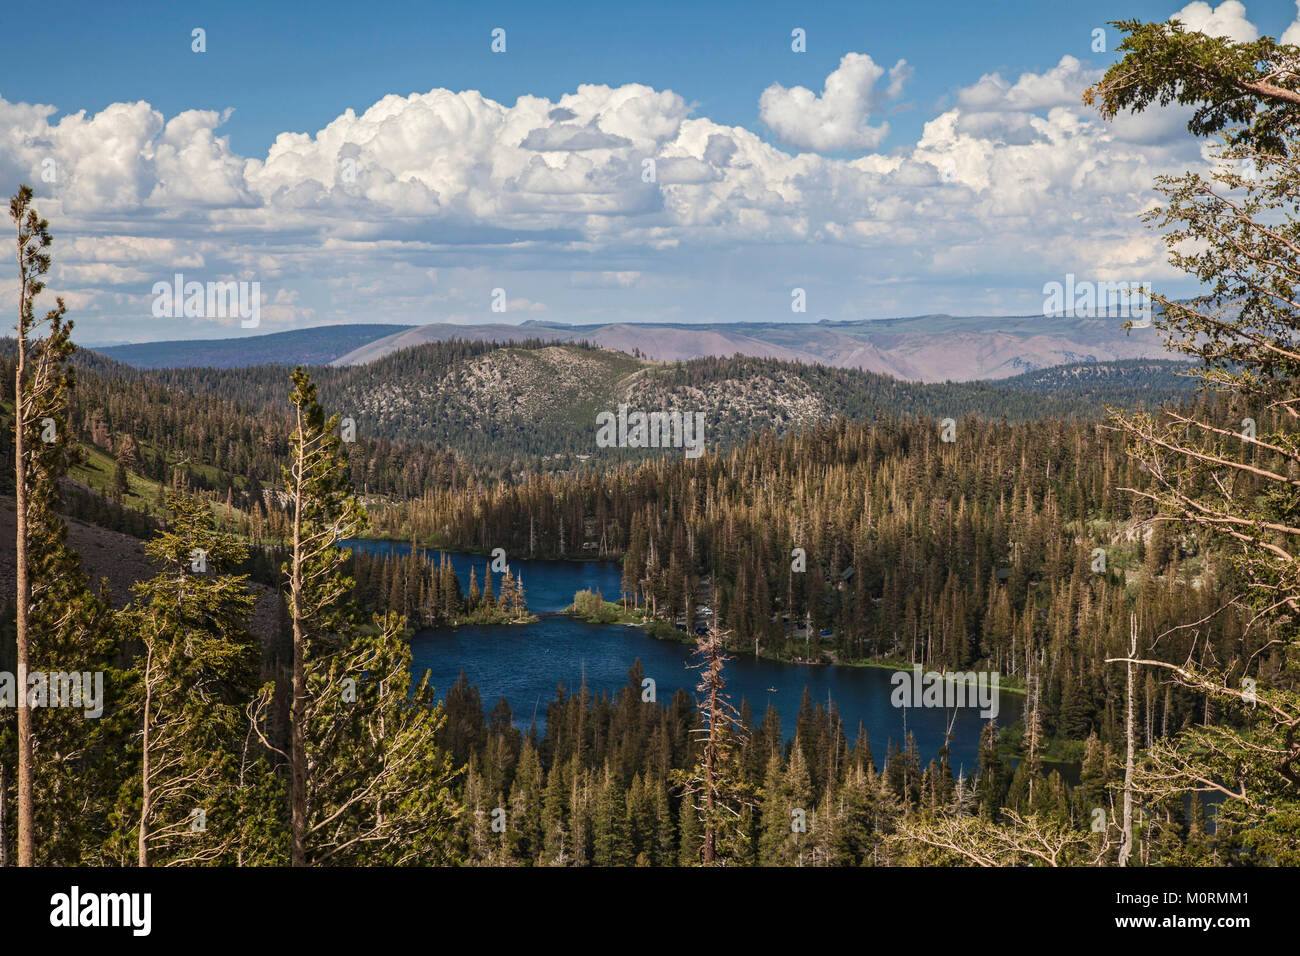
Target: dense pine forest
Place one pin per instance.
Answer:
(600, 787)
(1005, 549)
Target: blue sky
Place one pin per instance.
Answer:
(285, 69)
(937, 159)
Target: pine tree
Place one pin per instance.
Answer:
(527, 825)
(323, 512)
(775, 839)
(611, 830)
(121, 484)
(558, 848)
(369, 783)
(717, 780)
(198, 672)
(51, 599)
(472, 596)
(992, 782)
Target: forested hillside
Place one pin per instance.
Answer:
(532, 405)
(980, 553)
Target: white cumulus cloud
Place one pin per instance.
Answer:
(613, 199)
(1063, 85)
(1227, 20)
(839, 118)
(1292, 33)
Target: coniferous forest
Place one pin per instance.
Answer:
(226, 583)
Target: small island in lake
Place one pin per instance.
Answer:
(430, 594)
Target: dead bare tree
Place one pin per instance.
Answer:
(1021, 841)
(715, 778)
(1126, 848)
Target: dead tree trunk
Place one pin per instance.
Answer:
(1126, 848)
(26, 765)
(298, 705)
(714, 678)
(146, 762)
(4, 814)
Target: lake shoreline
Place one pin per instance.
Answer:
(526, 664)
(661, 633)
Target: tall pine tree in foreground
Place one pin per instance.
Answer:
(63, 777)
(369, 784)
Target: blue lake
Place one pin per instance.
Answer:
(525, 663)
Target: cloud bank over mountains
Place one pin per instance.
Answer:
(610, 203)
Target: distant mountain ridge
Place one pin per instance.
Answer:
(315, 346)
(926, 348)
